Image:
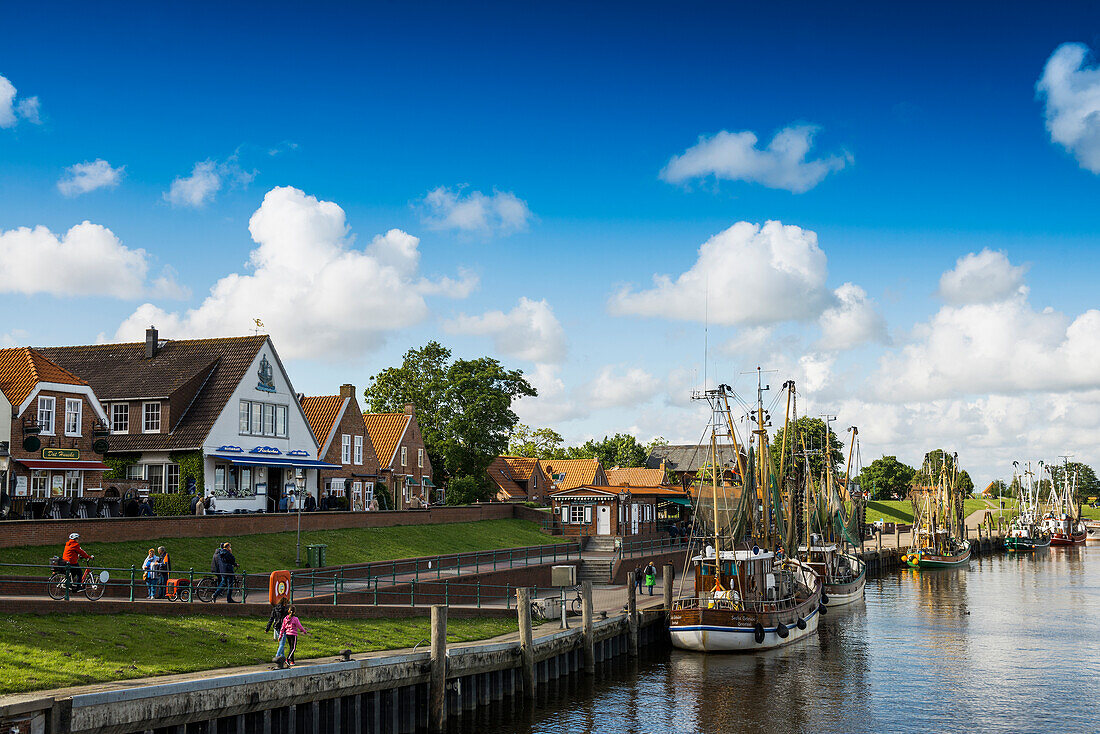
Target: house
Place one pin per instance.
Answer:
(619, 511)
(635, 476)
(218, 414)
(337, 424)
(53, 423)
(569, 473)
(403, 461)
(519, 479)
(682, 463)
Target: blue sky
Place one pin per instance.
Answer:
(939, 143)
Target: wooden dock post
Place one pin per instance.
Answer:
(632, 613)
(666, 583)
(526, 642)
(897, 535)
(587, 636)
(437, 696)
(878, 542)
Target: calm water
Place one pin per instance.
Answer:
(1010, 645)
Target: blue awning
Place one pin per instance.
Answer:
(284, 461)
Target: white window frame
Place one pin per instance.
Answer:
(74, 407)
(170, 469)
(40, 483)
(357, 456)
(345, 448)
(256, 425)
(47, 408)
(269, 419)
(244, 418)
(404, 456)
(576, 514)
(420, 458)
(282, 420)
(120, 410)
(74, 483)
(145, 414)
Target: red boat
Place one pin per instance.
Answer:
(1064, 531)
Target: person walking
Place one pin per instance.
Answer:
(223, 565)
(148, 572)
(275, 625)
(164, 568)
(292, 627)
(650, 577)
(639, 577)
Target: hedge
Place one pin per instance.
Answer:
(171, 504)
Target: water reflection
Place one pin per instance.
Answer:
(1005, 645)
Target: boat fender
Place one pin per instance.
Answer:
(801, 623)
(824, 598)
(758, 633)
(782, 631)
(822, 608)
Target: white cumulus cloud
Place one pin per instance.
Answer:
(206, 180)
(735, 156)
(88, 260)
(318, 294)
(11, 110)
(982, 277)
(618, 387)
(529, 331)
(750, 275)
(501, 212)
(1071, 89)
(89, 176)
(852, 321)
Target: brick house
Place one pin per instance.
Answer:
(519, 479)
(51, 420)
(404, 466)
(569, 473)
(221, 412)
(681, 463)
(613, 511)
(338, 426)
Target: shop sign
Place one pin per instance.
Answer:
(64, 454)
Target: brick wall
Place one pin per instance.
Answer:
(83, 442)
(56, 532)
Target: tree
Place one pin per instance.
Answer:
(538, 443)
(999, 489)
(963, 483)
(809, 433)
(1087, 483)
(620, 450)
(463, 490)
(886, 477)
(464, 409)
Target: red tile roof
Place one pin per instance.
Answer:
(635, 476)
(22, 368)
(322, 412)
(578, 472)
(522, 467)
(385, 431)
(500, 473)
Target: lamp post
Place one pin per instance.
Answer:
(5, 467)
(300, 481)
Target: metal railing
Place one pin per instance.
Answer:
(129, 580)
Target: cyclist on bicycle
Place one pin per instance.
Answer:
(70, 558)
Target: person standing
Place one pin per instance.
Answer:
(223, 565)
(292, 627)
(639, 577)
(148, 572)
(650, 577)
(275, 624)
(164, 568)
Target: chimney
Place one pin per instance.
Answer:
(347, 391)
(410, 409)
(151, 342)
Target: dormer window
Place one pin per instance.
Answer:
(120, 418)
(151, 422)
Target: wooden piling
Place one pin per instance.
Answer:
(437, 696)
(526, 641)
(666, 583)
(632, 613)
(587, 636)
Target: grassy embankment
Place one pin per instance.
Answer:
(902, 511)
(71, 649)
(272, 551)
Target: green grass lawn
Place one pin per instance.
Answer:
(272, 551)
(902, 510)
(72, 649)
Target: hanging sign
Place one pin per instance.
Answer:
(64, 454)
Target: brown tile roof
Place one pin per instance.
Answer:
(322, 412)
(385, 431)
(522, 467)
(641, 491)
(120, 371)
(21, 368)
(500, 473)
(635, 476)
(578, 472)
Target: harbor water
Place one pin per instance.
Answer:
(1009, 644)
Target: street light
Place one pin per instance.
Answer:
(300, 480)
(5, 466)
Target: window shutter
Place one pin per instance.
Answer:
(565, 513)
(588, 514)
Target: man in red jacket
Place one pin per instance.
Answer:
(71, 557)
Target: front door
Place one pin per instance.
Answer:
(603, 519)
(635, 510)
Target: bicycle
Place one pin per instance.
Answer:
(92, 584)
(208, 585)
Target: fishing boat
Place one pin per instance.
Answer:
(1063, 521)
(1026, 532)
(747, 594)
(1092, 527)
(938, 516)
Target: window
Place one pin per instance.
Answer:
(245, 417)
(257, 419)
(269, 419)
(40, 483)
(45, 414)
(280, 421)
(120, 418)
(135, 471)
(358, 449)
(155, 474)
(404, 456)
(420, 458)
(219, 481)
(152, 418)
(345, 449)
(576, 514)
(73, 408)
(72, 483)
(171, 477)
(245, 488)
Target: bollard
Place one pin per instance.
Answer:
(631, 613)
(587, 637)
(878, 542)
(897, 535)
(191, 585)
(667, 583)
(132, 572)
(437, 696)
(526, 642)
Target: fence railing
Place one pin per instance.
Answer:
(634, 547)
(125, 583)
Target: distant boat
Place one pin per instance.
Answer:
(1026, 532)
(938, 518)
(1064, 522)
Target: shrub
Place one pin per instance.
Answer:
(165, 505)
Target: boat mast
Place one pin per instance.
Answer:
(714, 499)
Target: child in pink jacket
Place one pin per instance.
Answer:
(291, 628)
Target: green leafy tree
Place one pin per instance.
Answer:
(464, 408)
(964, 483)
(464, 490)
(1000, 489)
(622, 450)
(886, 477)
(809, 433)
(1087, 483)
(538, 443)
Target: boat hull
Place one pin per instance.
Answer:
(848, 593)
(1023, 545)
(725, 637)
(924, 559)
(1068, 538)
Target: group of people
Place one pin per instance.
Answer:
(286, 626)
(645, 575)
(154, 571)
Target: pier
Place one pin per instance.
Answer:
(885, 551)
